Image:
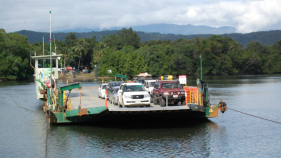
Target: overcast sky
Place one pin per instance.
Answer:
(245, 15)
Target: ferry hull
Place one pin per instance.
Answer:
(127, 116)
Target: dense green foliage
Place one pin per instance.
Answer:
(14, 56)
(123, 53)
(264, 37)
(221, 56)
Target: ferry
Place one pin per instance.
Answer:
(76, 104)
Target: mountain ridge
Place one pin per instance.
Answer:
(264, 37)
(164, 29)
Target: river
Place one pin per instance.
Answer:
(232, 134)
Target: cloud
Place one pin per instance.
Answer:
(245, 15)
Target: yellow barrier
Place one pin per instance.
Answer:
(68, 104)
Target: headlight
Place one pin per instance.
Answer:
(165, 93)
(127, 96)
(172, 93)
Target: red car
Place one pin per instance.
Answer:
(170, 88)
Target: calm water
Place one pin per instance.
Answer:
(232, 134)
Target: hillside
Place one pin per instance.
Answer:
(166, 29)
(264, 37)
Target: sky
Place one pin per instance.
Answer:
(245, 15)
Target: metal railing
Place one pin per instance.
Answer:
(192, 95)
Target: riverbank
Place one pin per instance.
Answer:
(85, 76)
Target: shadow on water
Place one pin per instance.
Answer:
(141, 139)
(191, 123)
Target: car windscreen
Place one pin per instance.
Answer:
(151, 84)
(171, 85)
(115, 84)
(116, 90)
(103, 87)
(133, 88)
(141, 81)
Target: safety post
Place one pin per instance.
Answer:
(102, 81)
(77, 83)
(68, 107)
(190, 96)
(186, 100)
(166, 100)
(198, 97)
(66, 82)
(105, 98)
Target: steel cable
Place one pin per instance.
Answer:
(254, 116)
(46, 150)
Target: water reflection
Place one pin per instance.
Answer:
(146, 139)
(23, 126)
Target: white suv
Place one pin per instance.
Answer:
(133, 94)
(101, 91)
(149, 85)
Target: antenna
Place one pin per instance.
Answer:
(51, 78)
(55, 43)
(43, 52)
(43, 45)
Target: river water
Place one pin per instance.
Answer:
(232, 134)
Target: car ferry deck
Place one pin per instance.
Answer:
(84, 105)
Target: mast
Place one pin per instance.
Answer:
(51, 76)
(201, 66)
(43, 53)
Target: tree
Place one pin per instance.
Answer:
(112, 42)
(97, 53)
(70, 39)
(14, 56)
(80, 48)
(128, 37)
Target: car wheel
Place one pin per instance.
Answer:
(176, 103)
(162, 102)
(99, 95)
(155, 102)
(151, 99)
(123, 103)
(118, 103)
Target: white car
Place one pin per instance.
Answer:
(133, 94)
(101, 91)
(149, 85)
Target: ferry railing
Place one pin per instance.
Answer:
(193, 96)
(63, 99)
(67, 101)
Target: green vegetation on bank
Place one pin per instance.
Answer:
(123, 53)
(14, 56)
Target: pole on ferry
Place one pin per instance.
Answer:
(201, 66)
(43, 53)
(51, 77)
